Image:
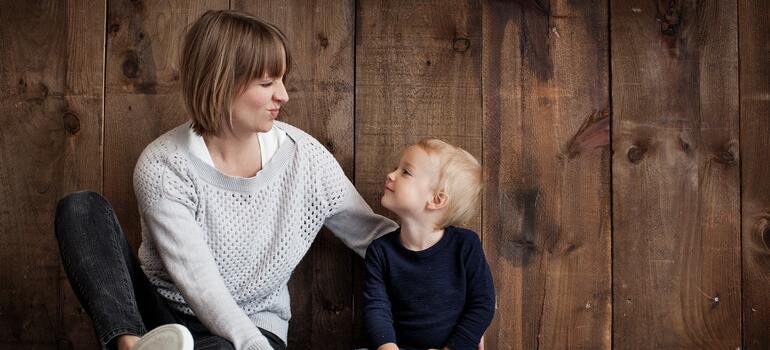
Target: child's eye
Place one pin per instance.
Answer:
(406, 172)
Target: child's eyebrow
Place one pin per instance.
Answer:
(409, 165)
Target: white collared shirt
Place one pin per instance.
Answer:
(268, 144)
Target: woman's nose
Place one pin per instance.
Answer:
(280, 94)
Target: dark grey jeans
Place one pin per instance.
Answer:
(108, 281)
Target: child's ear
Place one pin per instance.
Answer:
(438, 201)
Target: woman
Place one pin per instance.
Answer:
(230, 202)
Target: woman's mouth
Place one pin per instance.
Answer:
(274, 112)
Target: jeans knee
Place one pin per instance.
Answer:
(79, 205)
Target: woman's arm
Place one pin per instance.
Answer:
(354, 221)
(187, 259)
(168, 213)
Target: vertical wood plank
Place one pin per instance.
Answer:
(676, 257)
(755, 146)
(417, 75)
(142, 99)
(547, 172)
(50, 145)
(320, 87)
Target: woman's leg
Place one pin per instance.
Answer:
(103, 271)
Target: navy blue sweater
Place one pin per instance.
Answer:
(437, 297)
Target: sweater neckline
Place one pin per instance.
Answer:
(438, 246)
(274, 167)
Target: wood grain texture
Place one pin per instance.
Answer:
(320, 87)
(417, 75)
(50, 144)
(754, 36)
(547, 172)
(676, 185)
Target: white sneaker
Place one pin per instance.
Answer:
(166, 337)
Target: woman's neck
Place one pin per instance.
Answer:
(235, 154)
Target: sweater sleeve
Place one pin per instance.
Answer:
(169, 219)
(355, 223)
(351, 220)
(479, 304)
(378, 317)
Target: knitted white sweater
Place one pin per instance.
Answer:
(223, 248)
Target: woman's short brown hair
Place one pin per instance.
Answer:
(223, 52)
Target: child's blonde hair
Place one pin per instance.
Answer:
(223, 52)
(459, 177)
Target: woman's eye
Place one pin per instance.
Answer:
(266, 84)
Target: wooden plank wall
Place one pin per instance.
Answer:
(676, 178)
(624, 146)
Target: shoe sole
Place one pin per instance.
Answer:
(166, 337)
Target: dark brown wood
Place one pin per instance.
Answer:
(417, 75)
(753, 37)
(547, 172)
(676, 185)
(320, 87)
(50, 145)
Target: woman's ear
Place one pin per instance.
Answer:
(438, 201)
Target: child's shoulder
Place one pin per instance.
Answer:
(464, 235)
(385, 240)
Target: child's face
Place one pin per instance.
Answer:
(410, 186)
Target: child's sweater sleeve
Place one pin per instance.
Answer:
(378, 317)
(480, 301)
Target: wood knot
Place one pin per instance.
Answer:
(323, 40)
(766, 237)
(725, 157)
(114, 28)
(669, 18)
(636, 153)
(461, 44)
(131, 65)
(684, 145)
(760, 237)
(71, 123)
(43, 90)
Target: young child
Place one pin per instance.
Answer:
(427, 285)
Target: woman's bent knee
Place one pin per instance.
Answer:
(78, 206)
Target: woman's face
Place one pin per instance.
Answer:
(255, 109)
